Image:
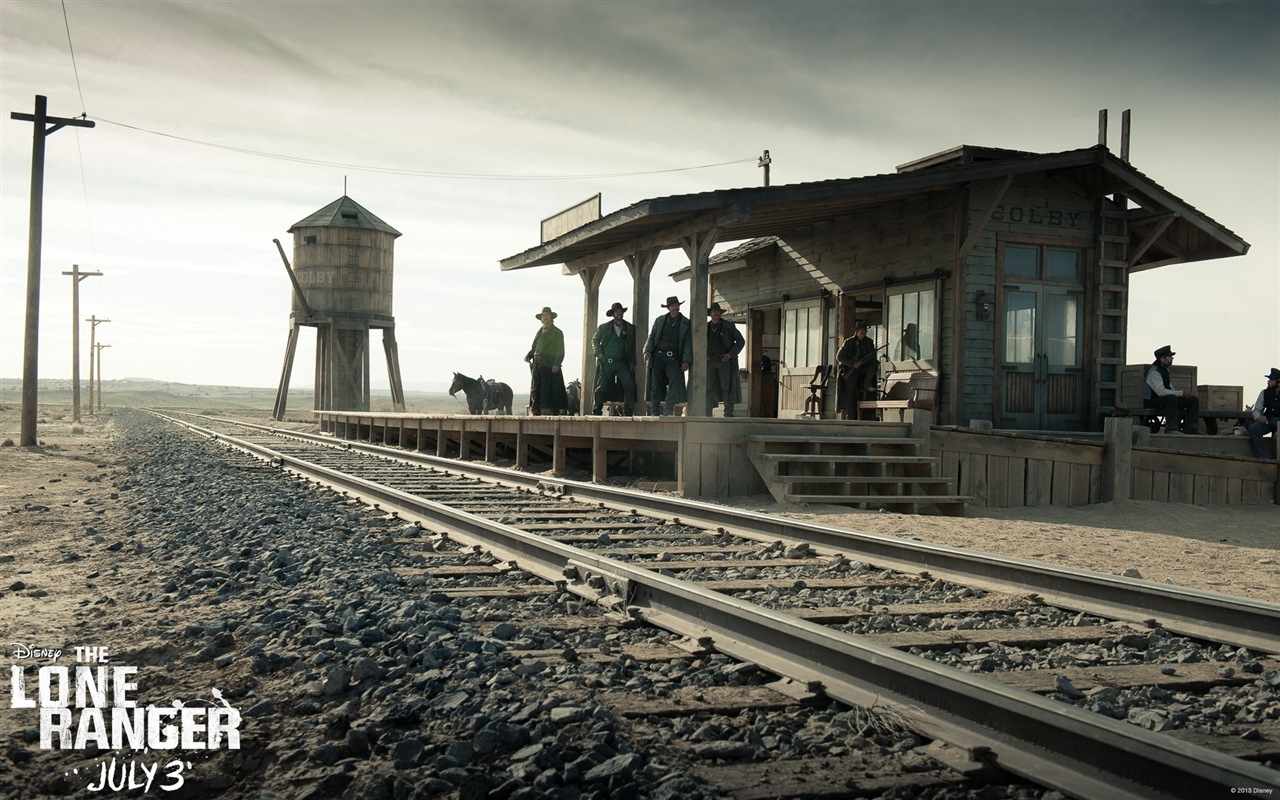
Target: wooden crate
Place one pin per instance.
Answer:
(1132, 376)
(1221, 398)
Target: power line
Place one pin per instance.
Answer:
(418, 172)
(84, 113)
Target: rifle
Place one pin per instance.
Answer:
(844, 368)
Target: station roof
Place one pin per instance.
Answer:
(1164, 228)
(344, 213)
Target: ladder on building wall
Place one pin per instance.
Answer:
(1111, 302)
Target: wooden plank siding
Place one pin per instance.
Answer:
(1009, 470)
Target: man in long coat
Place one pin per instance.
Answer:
(724, 343)
(546, 390)
(669, 354)
(614, 346)
(858, 367)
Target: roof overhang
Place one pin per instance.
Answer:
(1163, 228)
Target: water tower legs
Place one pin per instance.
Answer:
(342, 368)
(393, 367)
(282, 393)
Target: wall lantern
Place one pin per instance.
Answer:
(982, 304)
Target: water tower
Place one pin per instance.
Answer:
(341, 274)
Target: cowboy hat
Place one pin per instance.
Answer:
(615, 307)
(715, 307)
(1275, 375)
(672, 301)
(545, 310)
(1164, 351)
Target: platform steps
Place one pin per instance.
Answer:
(872, 472)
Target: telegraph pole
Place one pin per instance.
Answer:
(93, 329)
(76, 277)
(42, 126)
(99, 348)
(764, 163)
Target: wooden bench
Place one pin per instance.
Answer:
(903, 390)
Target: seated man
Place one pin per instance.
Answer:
(1266, 414)
(1180, 408)
(858, 366)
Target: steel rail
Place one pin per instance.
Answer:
(1079, 753)
(1221, 618)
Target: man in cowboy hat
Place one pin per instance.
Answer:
(724, 343)
(857, 358)
(615, 348)
(668, 352)
(1266, 414)
(1173, 404)
(546, 389)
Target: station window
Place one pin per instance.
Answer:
(803, 332)
(911, 322)
(1042, 263)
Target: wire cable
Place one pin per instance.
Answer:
(418, 172)
(84, 113)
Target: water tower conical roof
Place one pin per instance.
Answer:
(344, 213)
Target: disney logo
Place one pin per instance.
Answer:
(21, 651)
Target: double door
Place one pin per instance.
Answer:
(1042, 377)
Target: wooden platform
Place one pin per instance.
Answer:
(695, 457)
(714, 458)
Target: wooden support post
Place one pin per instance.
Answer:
(76, 277)
(282, 392)
(920, 421)
(490, 449)
(591, 278)
(1117, 459)
(392, 351)
(42, 125)
(697, 247)
(522, 447)
(1275, 449)
(599, 456)
(93, 330)
(559, 453)
(441, 441)
(98, 357)
(640, 266)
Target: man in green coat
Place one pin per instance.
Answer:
(614, 346)
(546, 390)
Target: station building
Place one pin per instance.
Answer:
(1004, 272)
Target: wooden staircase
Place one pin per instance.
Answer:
(867, 471)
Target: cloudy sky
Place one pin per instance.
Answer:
(220, 124)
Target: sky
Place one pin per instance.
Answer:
(462, 125)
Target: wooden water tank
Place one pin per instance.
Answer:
(343, 257)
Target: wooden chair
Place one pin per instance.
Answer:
(813, 404)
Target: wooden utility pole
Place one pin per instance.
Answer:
(99, 348)
(76, 277)
(93, 330)
(764, 163)
(42, 126)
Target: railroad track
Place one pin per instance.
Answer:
(866, 620)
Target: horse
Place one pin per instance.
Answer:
(574, 393)
(483, 396)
